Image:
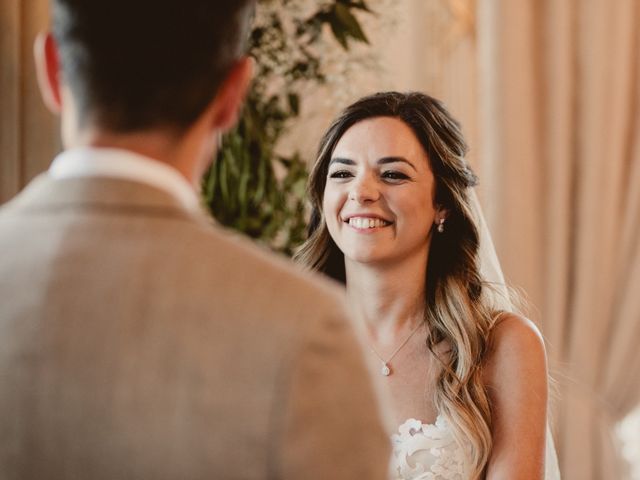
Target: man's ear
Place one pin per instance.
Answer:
(231, 95)
(45, 52)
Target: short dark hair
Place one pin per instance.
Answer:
(136, 64)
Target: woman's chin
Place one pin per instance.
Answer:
(370, 258)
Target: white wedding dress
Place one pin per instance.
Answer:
(422, 451)
(428, 451)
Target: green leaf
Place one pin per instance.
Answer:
(358, 5)
(224, 179)
(339, 32)
(243, 190)
(294, 103)
(350, 23)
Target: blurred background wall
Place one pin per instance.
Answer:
(28, 133)
(548, 93)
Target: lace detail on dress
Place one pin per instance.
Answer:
(426, 452)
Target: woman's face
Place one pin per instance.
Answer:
(378, 198)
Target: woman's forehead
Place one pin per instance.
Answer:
(379, 137)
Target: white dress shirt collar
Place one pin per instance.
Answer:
(124, 164)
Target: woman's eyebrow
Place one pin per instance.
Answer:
(385, 160)
(345, 161)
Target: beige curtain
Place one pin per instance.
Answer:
(431, 47)
(560, 109)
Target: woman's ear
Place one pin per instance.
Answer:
(440, 218)
(441, 214)
(45, 52)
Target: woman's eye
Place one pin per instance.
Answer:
(394, 175)
(340, 174)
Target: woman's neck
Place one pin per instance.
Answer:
(389, 299)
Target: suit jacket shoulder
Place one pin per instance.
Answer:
(141, 342)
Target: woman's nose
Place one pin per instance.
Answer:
(364, 190)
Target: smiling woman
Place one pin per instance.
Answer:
(393, 219)
(380, 158)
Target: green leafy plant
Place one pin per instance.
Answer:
(250, 186)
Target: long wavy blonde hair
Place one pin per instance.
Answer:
(459, 303)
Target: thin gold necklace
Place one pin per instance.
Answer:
(386, 369)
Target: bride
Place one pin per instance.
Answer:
(395, 219)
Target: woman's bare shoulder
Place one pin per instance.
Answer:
(516, 380)
(516, 347)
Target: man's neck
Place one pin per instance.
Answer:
(189, 153)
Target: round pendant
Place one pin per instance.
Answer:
(386, 371)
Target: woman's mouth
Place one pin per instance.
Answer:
(363, 223)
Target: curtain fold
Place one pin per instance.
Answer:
(564, 88)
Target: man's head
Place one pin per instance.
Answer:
(134, 66)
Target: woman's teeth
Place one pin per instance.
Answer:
(362, 222)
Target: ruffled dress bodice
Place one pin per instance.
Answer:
(426, 452)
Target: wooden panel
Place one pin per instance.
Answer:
(40, 137)
(29, 134)
(9, 98)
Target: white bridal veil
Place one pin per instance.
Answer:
(492, 272)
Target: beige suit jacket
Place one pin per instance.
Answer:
(137, 341)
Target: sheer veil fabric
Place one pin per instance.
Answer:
(492, 272)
